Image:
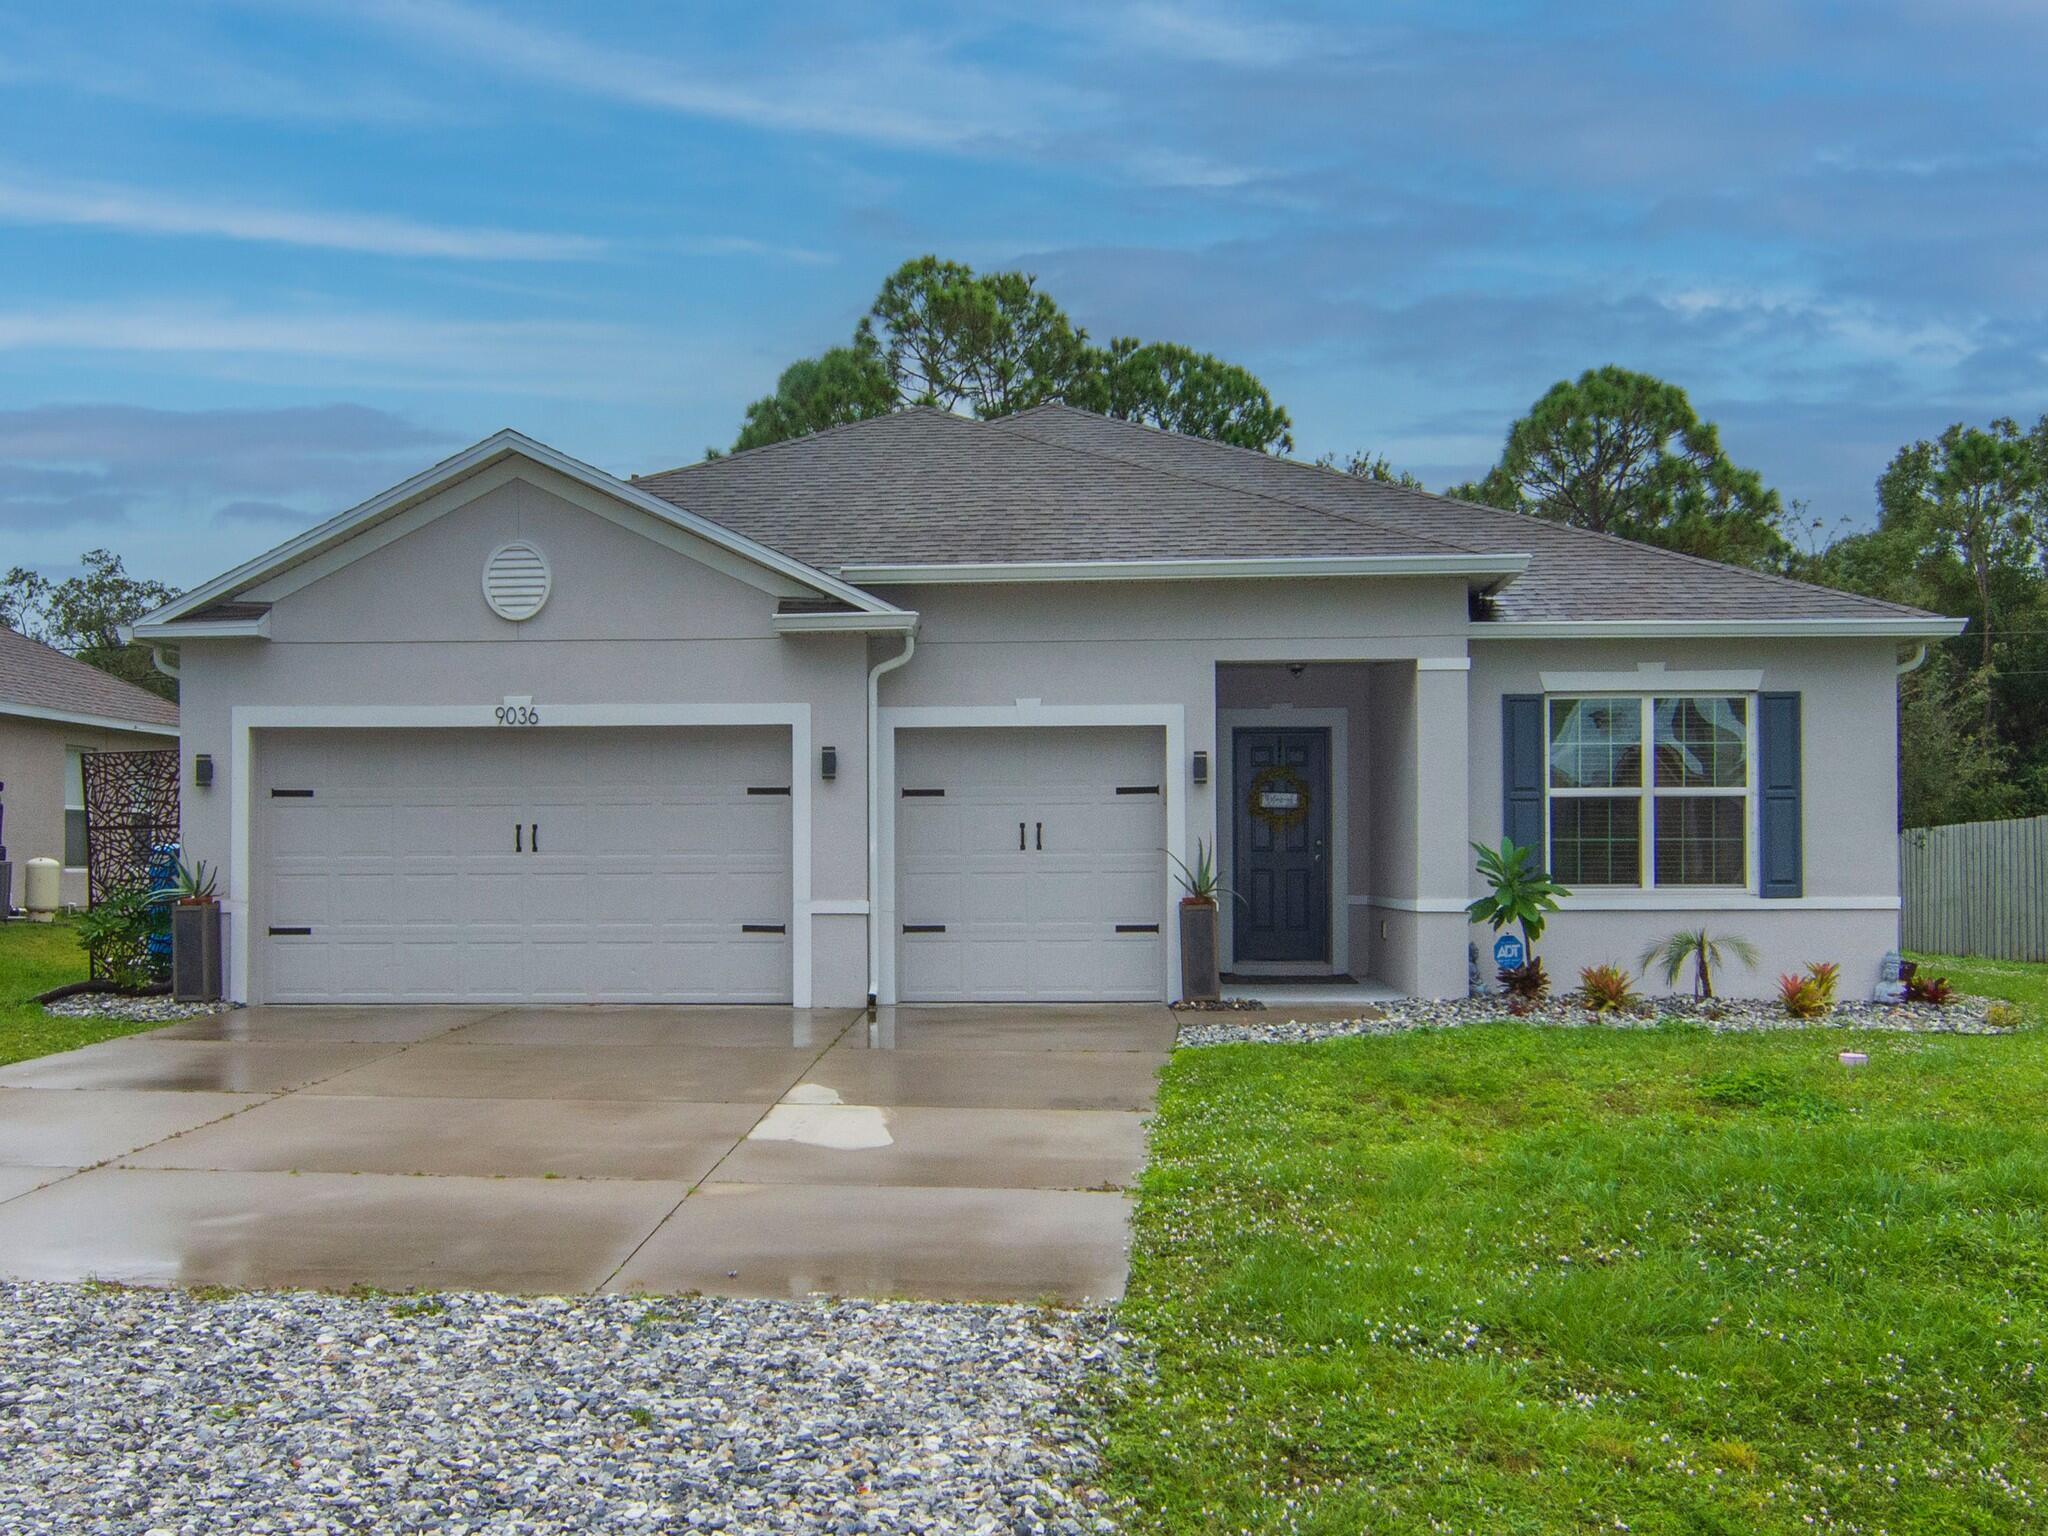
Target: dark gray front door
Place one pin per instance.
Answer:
(1280, 865)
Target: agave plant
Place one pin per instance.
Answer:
(1700, 947)
(1522, 893)
(1200, 879)
(191, 885)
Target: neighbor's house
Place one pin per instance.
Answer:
(920, 707)
(53, 710)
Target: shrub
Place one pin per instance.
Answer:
(1606, 988)
(1929, 989)
(1802, 996)
(2002, 1015)
(115, 933)
(1527, 982)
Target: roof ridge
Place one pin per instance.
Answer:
(916, 407)
(1342, 514)
(1524, 518)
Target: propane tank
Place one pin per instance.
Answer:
(40, 888)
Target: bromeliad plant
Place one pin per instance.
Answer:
(1606, 988)
(1522, 893)
(1703, 949)
(1812, 995)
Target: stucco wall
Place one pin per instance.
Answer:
(32, 768)
(1849, 727)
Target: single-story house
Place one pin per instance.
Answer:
(923, 708)
(54, 709)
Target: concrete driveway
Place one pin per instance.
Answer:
(963, 1153)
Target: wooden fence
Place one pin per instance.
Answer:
(1977, 888)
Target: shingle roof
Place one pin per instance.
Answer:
(1054, 483)
(34, 676)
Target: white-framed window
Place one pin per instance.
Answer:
(1677, 814)
(74, 808)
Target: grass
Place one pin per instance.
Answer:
(1506, 1279)
(35, 957)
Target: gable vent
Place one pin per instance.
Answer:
(516, 581)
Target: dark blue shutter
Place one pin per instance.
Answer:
(1780, 843)
(1521, 770)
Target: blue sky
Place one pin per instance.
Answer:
(260, 260)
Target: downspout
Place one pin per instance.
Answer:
(156, 659)
(1912, 663)
(875, 810)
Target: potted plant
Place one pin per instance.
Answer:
(1522, 894)
(1199, 978)
(195, 933)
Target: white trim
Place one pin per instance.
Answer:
(1443, 663)
(496, 447)
(1294, 566)
(246, 719)
(844, 623)
(1171, 719)
(1412, 903)
(257, 628)
(96, 722)
(839, 907)
(1705, 629)
(1651, 677)
(1336, 721)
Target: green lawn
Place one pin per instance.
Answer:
(35, 957)
(1507, 1279)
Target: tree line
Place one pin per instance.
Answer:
(1961, 529)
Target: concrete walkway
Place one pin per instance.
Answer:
(951, 1153)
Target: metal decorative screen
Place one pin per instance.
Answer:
(131, 817)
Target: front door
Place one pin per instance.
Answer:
(1280, 839)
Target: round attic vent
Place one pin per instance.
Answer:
(516, 581)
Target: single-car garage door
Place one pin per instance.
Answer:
(523, 865)
(1030, 864)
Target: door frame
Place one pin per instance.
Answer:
(246, 719)
(1169, 719)
(1336, 721)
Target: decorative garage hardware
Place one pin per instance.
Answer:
(1279, 797)
(767, 789)
(828, 763)
(1020, 837)
(1137, 789)
(1040, 836)
(1137, 927)
(924, 927)
(290, 933)
(517, 580)
(764, 928)
(923, 794)
(523, 841)
(291, 794)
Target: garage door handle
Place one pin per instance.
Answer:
(535, 839)
(1020, 837)
(1041, 837)
(518, 838)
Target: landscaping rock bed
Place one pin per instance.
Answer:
(156, 1009)
(138, 1412)
(1964, 1015)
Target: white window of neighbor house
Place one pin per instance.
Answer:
(74, 808)
(1676, 815)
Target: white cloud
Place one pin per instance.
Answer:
(138, 211)
(742, 245)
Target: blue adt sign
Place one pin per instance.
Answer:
(1508, 952)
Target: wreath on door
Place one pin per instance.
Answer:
(1279, 797)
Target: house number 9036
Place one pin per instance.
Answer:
(517, 714)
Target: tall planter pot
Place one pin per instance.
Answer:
(1199, 982)
(195, 952)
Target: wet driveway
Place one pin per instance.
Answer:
(942, 1152)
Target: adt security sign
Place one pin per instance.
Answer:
(1509, 953)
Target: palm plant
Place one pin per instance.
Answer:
(1700, 947)
(1522, 892)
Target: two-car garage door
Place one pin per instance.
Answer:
(1030, 864)
(527, 865)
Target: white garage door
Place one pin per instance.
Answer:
(523, 865)
(1030, 865)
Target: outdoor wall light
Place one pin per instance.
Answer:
(202, 770)
(1201, 767)
(828, 763)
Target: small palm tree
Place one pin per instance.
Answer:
(1703, 949)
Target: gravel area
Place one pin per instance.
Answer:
(143, 1412)
(1964, 1015)
(142, 1010)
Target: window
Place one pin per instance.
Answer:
(74, 807)
(1692, 812)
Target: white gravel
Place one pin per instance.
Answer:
(1964, 1015)
(140, 1010)
(142, 1412)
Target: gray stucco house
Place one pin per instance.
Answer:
(916, 708)
(54, 709)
